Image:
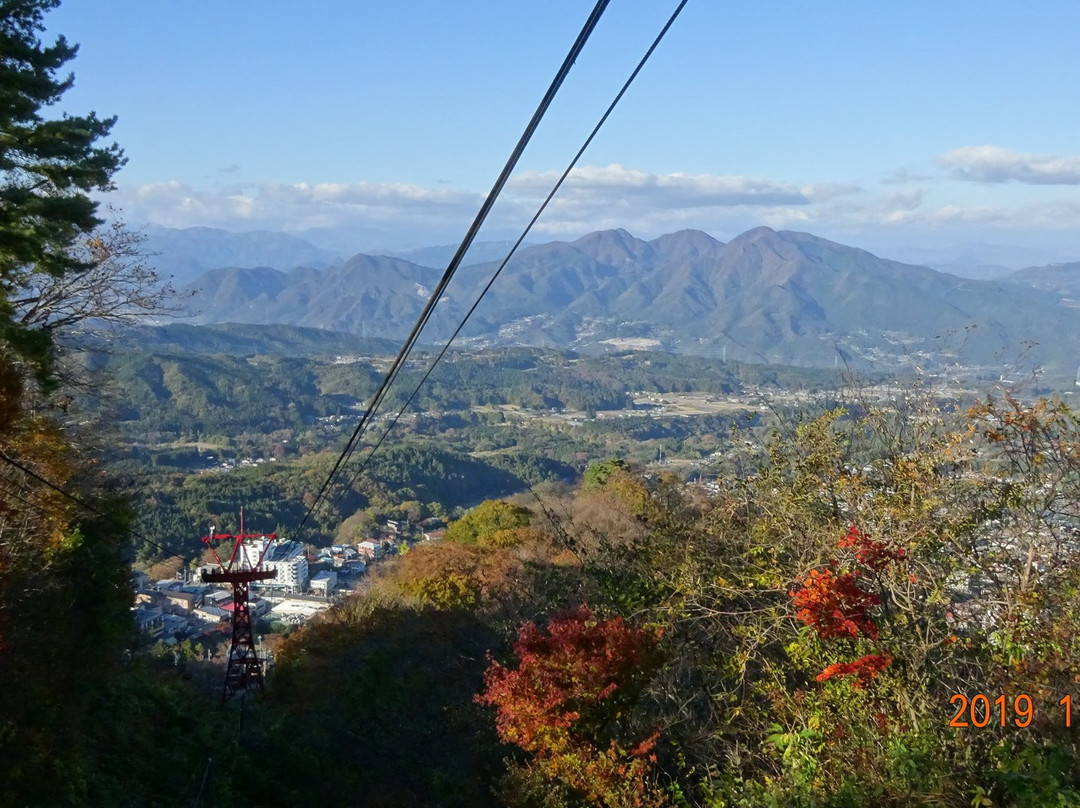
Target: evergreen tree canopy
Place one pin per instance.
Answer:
(48, 167)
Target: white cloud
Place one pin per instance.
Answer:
(360, 216)
(660, 190)
(592, 198)
(297, 207)
(827, 191)
(902, 176)
(993, 164)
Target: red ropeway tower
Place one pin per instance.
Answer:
(244, 670)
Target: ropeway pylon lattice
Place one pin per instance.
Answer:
(245, 670)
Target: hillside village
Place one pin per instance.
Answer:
(307, 582)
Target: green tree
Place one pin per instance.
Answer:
(599, 471)
(486, 518)
(48, 167)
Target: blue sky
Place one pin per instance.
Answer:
(360, 124)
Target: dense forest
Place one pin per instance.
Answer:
(188, 389)
(883, 612)
(175, 508)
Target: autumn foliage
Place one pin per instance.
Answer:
(564, 701)
(868, 552)
(820, 606)
(864, 669)
(834, 605)
(837, 606)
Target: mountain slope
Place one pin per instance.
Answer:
(772, 296)
(186, 254)
(240, 340)
(1061, 278)
(368, 295)
(797, 296)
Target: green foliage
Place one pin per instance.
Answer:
(487, 518)
(85, 722)
(599, 471)
(48, 168)
(450, 590)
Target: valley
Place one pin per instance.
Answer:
(205, 417)
(196, 432)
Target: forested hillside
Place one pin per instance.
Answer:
(486, 424)
(180, 384)
(80, 704)
(884, 613)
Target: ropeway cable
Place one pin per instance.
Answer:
(83, 504)
(521, 239)
(455, 262)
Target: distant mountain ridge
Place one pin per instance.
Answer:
(367, 295)
(1064, 279)
(783, 297)
(440, 256)
(242, 340)
(186, 254)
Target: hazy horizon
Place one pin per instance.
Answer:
(887, 128)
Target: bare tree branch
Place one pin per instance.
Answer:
(119, 287)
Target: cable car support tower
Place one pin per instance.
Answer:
(245, 670)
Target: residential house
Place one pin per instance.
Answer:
(218, 597)
(176, 626)
(151, 597)
(150, 621)
(324, 583)
(212, 614)
(178, 600)
(372, 548)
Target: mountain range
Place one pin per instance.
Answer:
(1063, 279)
(771, 296)
(183, 255)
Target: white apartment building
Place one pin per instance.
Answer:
(290, 561)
